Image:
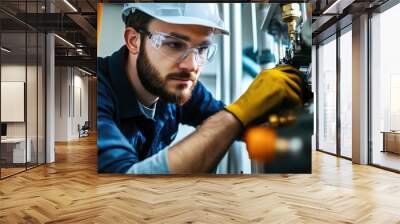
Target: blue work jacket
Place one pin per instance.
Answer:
(128, 141)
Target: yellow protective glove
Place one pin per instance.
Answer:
(269, 90)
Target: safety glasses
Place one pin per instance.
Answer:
(178, 49)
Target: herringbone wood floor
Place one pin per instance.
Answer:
(70, 191)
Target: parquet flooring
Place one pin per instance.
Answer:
(71, 191)
(9, 171)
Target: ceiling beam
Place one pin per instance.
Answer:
(81, 61)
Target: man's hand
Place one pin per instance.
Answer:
(269, 90)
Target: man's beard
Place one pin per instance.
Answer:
(153, 82)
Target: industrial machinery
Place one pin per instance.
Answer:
(282, 143)
(298, 52)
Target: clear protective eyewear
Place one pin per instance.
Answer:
(178, 50)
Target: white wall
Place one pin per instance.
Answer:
(71, 93)
(61, 103)
(12, 73)
(33, 126)
(112, 30)
(80, 102)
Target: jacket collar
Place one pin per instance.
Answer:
(127, 100)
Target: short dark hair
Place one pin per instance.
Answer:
(138, 20)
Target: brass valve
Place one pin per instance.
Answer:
(290, 14)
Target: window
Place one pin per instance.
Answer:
(23, 88)
(346, 93)
(385, 89)
(327, 96)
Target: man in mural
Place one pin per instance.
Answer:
(150, 86)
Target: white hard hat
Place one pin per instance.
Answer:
(203, 14)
